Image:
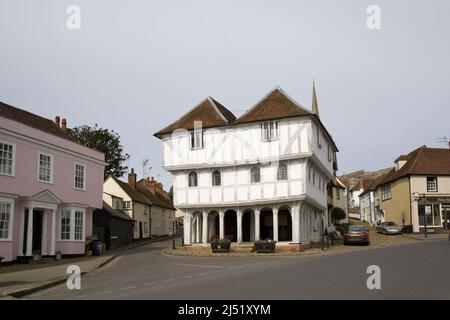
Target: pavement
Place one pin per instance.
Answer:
(416, 270)
(431, 236)
(37, 277)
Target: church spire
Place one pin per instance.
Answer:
(315, 106)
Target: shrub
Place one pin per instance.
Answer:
(338, 213)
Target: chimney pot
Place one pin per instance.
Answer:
(58, 121)
(64, 123)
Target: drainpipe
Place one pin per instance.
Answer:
(150, 221)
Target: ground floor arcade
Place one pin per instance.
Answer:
(290, 222)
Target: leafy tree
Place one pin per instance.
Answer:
(106, 141)
(338, 213)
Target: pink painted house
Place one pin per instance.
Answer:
(49, 186)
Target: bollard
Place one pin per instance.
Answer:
(182, 242)
(173, 244)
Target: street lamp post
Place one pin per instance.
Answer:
(425, 216)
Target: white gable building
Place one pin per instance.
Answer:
(261, 176)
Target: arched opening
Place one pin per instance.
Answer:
(230, 225)
(213, 225)
(248, 226)
(284, 224)
(266, 224)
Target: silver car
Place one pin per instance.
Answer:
(389, 227)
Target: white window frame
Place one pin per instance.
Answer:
(75, 224)
(75, 176)
(384, 194)
(193, 139)
(189, 179)
(287, 171)
(13, 166)
(435, 184)
(117, 203)
(11, 218)
(72, 211)
(269, 131)
(126, 205)
(69, 211)
(52, 163)
(213, 180)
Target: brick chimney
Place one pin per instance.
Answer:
(154, 187)
(132, 177)
(58, 121)
(149, 184)
(64, 124)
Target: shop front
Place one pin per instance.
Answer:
(434, 214)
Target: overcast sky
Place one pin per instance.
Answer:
(136, 66)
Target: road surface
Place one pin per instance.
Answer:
(412, 271)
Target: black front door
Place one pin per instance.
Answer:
(37, 231)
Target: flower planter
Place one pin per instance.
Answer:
(220, 246)
(58, 256)
(265, 246)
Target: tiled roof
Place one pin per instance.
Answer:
(421, 161)
(375, 182)
(32, 120)
(113, 212)
(275, 105)
(156, 199)
(209, 112)
(144, 196)
(132, 193)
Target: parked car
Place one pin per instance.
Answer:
(389, 227)
(356, 234)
